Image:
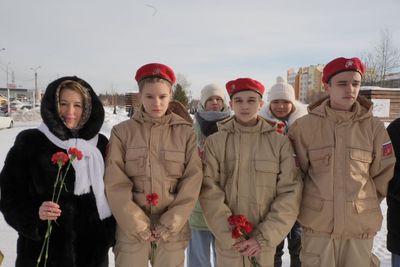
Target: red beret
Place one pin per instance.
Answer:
(342, 64)
(153, 70)
(244, 84)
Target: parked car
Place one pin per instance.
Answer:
(26, 106)
(5, 108)
(5, 121)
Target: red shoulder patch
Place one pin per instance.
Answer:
(387, 149)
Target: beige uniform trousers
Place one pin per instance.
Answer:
(231, 258)
(327, 252)
(171, 254)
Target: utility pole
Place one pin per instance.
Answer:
(35, 94)
(8, 91)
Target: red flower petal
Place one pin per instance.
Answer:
(75, 152)
(236, 232)
(59, 158)
(152, 199)
(248, 227)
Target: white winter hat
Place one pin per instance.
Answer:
(281, 90)
(209, 91)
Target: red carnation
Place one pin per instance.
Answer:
(247, 227)
(59, 158)
(237, 220)
(74, 152)
(152, 199)
(280, 127)
(241, 228)
(236, 232)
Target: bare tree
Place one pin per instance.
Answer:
(371, 77)
(382, 60)
(183, 81)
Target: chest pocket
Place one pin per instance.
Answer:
(174, 163)
(321, 159)
(266, 173)
(360, 161)
(136, 161)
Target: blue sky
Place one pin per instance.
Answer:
(104, 41)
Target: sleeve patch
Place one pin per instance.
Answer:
(387, 149)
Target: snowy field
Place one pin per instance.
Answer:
(8, 236)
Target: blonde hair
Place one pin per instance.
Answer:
(143, 82)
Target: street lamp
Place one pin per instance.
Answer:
(36, 89)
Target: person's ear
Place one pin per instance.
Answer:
(327, 87)
(261, 104)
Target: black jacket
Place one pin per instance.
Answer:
(80, 238)
(393, 196)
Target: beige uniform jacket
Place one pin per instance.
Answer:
(147, 156)
(250, 171)
(347, 167)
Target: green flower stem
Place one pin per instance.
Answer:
(153, 251)
(61, 183)
(46, 256)
(252, 259)
(55, 183)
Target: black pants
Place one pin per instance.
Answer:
(294, 246)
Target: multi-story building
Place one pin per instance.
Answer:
(291, 76)
(307, 83)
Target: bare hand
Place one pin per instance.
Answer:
(49, 211)
(248, 248)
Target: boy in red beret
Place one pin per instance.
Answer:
(347, 160)
(249, 170)
(153, 176)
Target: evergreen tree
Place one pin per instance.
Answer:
(180, 95)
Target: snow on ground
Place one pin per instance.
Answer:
(26, 120)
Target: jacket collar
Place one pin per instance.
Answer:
(362, 108)
(230, 125)
(169, 118)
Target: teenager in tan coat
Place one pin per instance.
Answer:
(347, 160)
(155, 152)
(249, 169)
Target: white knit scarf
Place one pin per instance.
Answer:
(89, 171)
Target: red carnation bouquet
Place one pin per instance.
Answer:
(59, 159)
(152, 200)
(241, 228)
